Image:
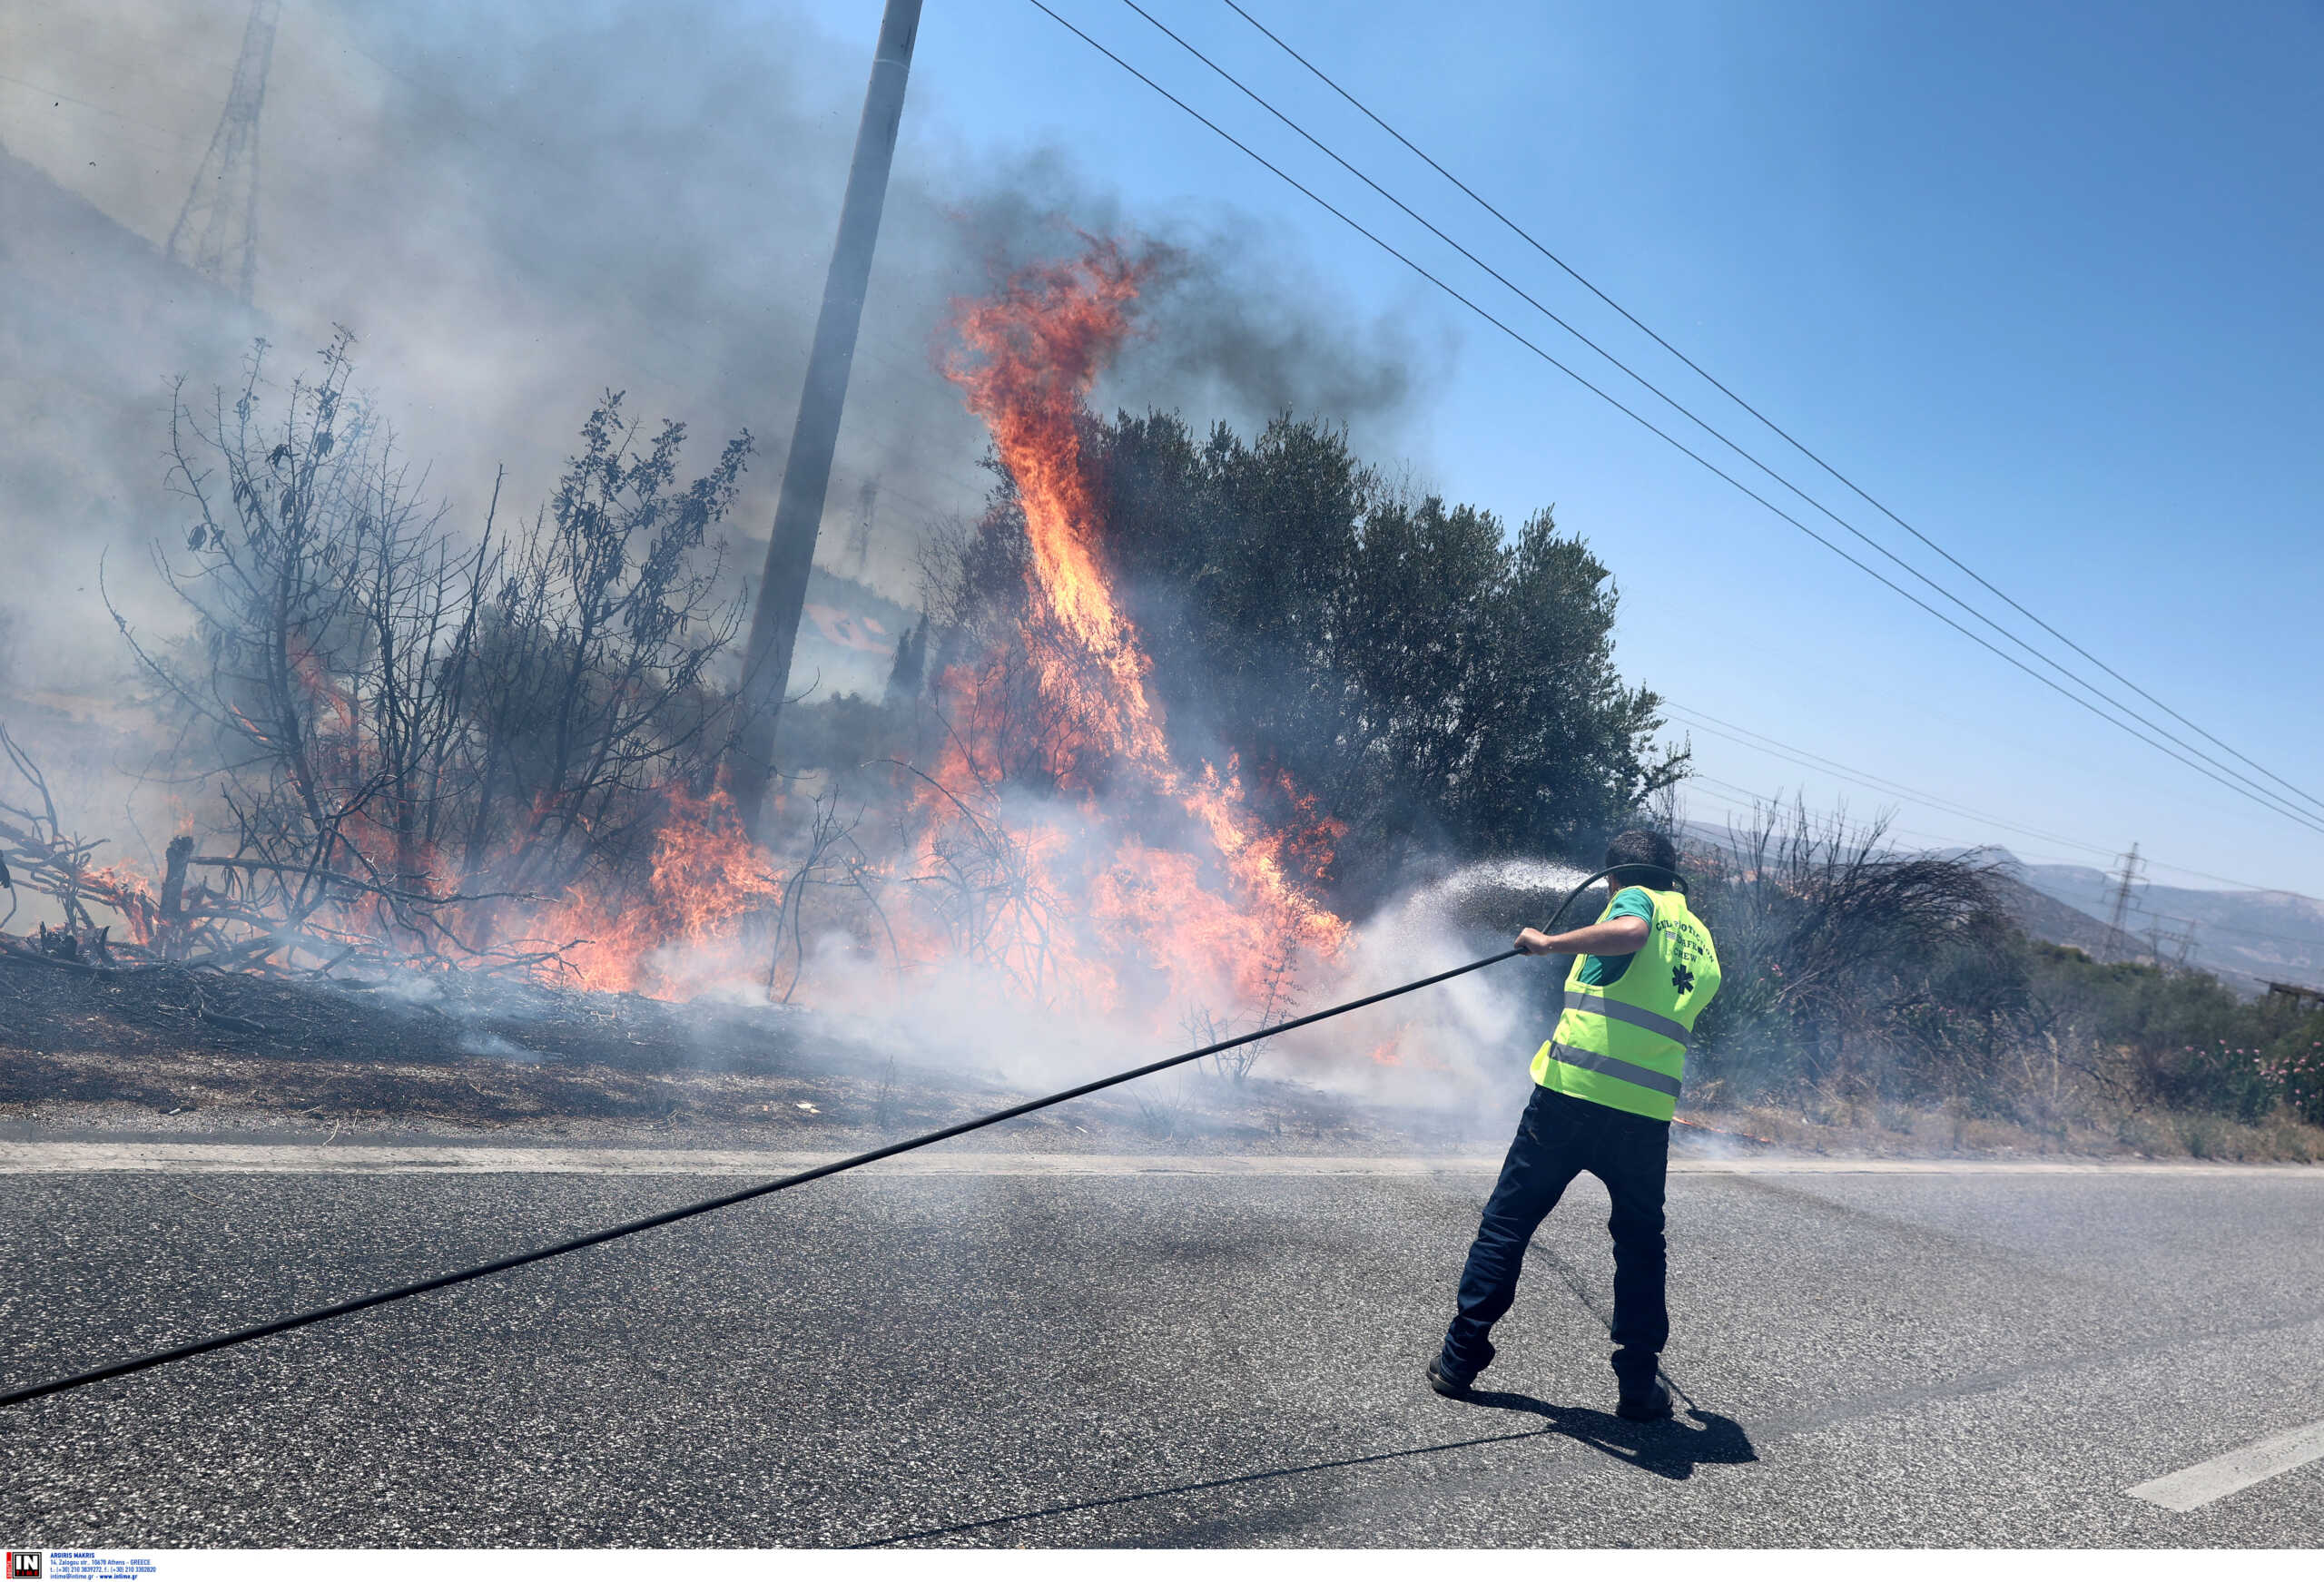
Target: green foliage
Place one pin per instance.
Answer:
(2185, 1039)
(1443, 688)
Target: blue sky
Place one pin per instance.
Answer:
(2042, 277)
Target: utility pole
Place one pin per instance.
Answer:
(807, 469)
(2127, 879)
(217, 229)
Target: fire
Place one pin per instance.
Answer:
(1124, 881)
(682, 932)
(1032, 351)
(1210, 909)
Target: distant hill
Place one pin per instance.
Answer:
(2045, 917)
(2251, 937)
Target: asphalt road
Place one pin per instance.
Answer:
(1113, 1354)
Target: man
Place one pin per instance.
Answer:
(1606, 1086)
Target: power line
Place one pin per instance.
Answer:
(2273, 804)
(1945, 592)
(1785, 434)
(2311, 942)
(1802, 758)
(48, 93)
(54, 136)
(726, 1200)
(1675, 405)
(1593, 346)
(1756, 801)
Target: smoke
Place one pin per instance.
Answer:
(1459, 1050)
(1235, 322)
(517, 207)
(1463, 1045)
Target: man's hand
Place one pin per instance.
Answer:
(1533, 942)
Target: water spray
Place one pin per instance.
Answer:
(728, 1200)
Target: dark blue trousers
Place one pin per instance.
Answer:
(1560, 1137)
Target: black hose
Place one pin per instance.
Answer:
(670, 1216)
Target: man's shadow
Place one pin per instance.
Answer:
(1671, 1448)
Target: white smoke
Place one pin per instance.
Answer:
(515, 208)
(1459, 1046)
(1458, 1050)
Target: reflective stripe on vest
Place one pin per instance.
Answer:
(1607, 1065)
(1594, 1001)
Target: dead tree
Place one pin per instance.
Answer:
(978, 879)
(1828, 938)
(835, 866)
(59, 864)
(333, 623)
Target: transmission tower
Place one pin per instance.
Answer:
(859, 539)
(2126, 882)
(217, 230)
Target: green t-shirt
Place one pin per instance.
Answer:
(1597, 971)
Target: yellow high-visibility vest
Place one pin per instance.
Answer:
(1625, 1045)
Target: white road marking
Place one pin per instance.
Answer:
(2238, 1469)
(371, 1159)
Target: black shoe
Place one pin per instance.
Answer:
(1648, 1403)
(1445, 1383)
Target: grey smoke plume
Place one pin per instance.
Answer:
(515, 207)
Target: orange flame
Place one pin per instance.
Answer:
(1143, 884)
(705, 877)
(1207, 916)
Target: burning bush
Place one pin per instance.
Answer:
(1163, 692)
(421, 747)
(1444, 686)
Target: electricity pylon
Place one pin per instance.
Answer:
(2128, 881)
(217, 230)
(859, 541)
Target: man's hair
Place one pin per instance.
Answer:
(1659, 858)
